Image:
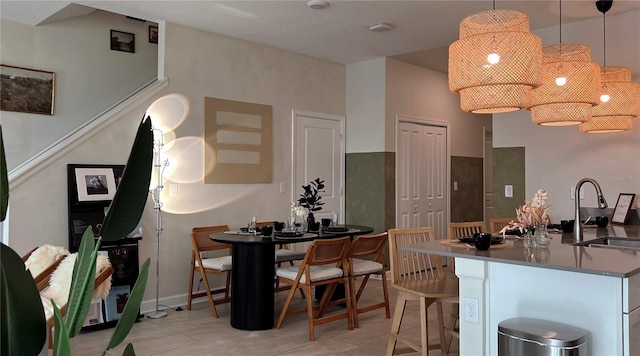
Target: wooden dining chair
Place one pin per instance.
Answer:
(497, 224)
(324, 264)
(366, 258)
(221, 264)
(461, 229)
(283, 254)
(417, 277)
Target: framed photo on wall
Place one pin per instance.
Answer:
(153, 34)
(123, 41)
(95, 184)
(621, 211)
(27, 90)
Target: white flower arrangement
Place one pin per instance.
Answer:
(297, 209)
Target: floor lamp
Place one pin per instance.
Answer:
(159, 166)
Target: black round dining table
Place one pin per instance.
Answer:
(253, 271)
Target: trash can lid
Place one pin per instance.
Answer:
(543, 331)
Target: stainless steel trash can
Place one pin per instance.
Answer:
(534, 337)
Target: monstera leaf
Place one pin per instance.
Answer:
(130, 198)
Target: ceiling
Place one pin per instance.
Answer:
(421, 34)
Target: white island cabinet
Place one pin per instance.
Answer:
(631, 314)
(594, 303)
(594, 289)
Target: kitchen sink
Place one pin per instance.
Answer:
(618, 243)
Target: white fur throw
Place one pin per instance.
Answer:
(43, 257)
(60, 283)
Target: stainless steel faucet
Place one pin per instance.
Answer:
(602, 203)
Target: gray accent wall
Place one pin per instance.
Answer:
(370, 190)
(508, 168)
(467, 201)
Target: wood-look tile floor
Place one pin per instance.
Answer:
(197, 332)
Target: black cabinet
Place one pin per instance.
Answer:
(90, 190)
(123, 255)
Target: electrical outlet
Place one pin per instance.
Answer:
(283, 187)
(173, 189)
(471, 310)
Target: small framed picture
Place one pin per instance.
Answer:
(27, 90)
(115, 302)
(123, 41)
(95, 184)
(621, 211)
(153, 34)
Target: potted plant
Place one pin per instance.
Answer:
(22, 318)
(311, 199)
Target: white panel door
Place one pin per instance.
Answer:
(421, 176)
(318, 152)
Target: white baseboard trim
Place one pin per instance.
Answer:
(174, 301)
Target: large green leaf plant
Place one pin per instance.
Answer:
(22, 317)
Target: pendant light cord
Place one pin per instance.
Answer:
(604, 39)
(560, 25)
(604, 6)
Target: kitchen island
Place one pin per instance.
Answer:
(595, 289)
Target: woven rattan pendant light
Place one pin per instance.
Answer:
(619, 96)
(617, 113)
(495, 63)
(570, 85)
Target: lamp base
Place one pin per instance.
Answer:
(157, 314)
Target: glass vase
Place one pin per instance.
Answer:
(541, 235)
(528, 239)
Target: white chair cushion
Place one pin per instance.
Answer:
(220, 263)
(318, 273)
(288, 255)
(361, 267)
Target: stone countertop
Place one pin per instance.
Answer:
(561, 253)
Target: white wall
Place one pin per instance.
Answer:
(418, 92)
(198, 64)
(366, 91)
(89, 76)
(558, 157)
(381, 89)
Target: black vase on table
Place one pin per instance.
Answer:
(311, 221)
